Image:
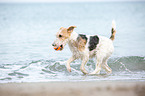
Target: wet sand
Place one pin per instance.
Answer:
(114, 88)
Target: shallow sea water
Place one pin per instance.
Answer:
(28, 30)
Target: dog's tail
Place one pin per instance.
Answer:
(113, 30)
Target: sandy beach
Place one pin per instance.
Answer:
(114, 88)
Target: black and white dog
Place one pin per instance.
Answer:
(85, 46)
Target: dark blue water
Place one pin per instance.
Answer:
(28, 30)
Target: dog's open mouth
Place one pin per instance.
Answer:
(58, 48)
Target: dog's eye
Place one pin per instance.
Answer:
(60, 35)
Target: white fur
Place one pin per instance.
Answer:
(102, 52)
(113, 24)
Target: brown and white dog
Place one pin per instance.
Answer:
(86, 46)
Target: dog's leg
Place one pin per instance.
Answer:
(68, 63)
(106, 67)
(84, 61)
(98, 67)
(99, 58)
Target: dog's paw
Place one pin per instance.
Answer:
(109, 72)
(94, 73)
(69, 69)
(84, 71)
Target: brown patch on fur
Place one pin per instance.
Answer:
(65, 32)
(113, 34)
(71, 28)
(80, 43)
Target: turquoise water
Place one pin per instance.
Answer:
(28, 30)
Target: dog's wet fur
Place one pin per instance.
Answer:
(86, 46)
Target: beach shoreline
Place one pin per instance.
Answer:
(86, 88)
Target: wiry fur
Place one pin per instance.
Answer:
(80, 49)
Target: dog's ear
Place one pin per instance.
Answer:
(70, 29)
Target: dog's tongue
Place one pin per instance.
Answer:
(57, 48)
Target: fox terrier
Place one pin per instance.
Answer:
(86, 46)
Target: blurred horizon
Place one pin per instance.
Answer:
(61, 1)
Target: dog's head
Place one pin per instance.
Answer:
(62, 37)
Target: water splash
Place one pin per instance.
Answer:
(124, 68)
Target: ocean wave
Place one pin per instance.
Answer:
(132, 63)
(55, 69)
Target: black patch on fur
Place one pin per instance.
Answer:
(83, 37)
(94, 40)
